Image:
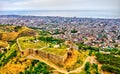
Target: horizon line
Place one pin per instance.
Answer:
(62, 16)
(66, 10)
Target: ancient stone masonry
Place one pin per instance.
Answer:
(51, 57)
(56, 59)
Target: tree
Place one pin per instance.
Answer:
(95, 66)
(21, 73)
(27, 72)
(88, 72)
(118, 37)
(73, 31)
(87, 66)
(106, 67)
(17, 28)
(90, 52)
(57, 31)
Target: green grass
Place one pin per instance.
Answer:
(83, 72)
(8, 55)
(56, 51)
(60, 51)
(28, 42)
(12, 49)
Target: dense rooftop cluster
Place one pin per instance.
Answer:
(94, 32)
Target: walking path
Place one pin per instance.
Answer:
(19, 45)
(23, 50)
(59, 69)
(80, 68)
(62, 70)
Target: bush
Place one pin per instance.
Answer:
(110, 68)
(87, 68)
(51, 40)
(85, 47)
(21, 73)
(74, 31)
(108, 59)
(95, 66)
(40, 67)
(90, 52)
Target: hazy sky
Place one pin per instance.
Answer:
(60, 5)
(87, 8)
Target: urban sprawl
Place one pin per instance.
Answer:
(104, 33)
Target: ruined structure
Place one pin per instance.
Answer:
(51, 57)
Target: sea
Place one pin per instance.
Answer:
(65, 13)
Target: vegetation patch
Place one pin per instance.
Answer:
(110, 62)
(6, 56)
(37, 67)
(31, 42)
(56, 51)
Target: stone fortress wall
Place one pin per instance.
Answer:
(51, 57)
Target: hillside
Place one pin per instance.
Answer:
(34, 51)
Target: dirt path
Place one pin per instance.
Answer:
(71, 59)
(80, 68)
(62, 70)
(43, 47)
(23, 50)
(59, 69)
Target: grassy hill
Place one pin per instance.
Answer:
(12, 33)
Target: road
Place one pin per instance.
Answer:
(59, 69)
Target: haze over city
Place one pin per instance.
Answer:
(66, 8)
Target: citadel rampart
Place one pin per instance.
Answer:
(51, 57)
